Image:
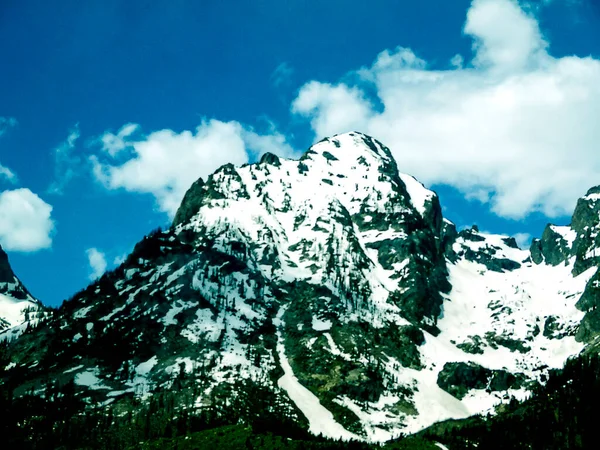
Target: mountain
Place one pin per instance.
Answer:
(328, 291)
(17, 306)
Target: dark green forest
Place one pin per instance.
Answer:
(562, 414)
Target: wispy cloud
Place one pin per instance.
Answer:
(67, 164)
(97, 263)
(119, 259)
(8, 175)
(114, 143)
(6, 123)
(282, 75)
(5, 173)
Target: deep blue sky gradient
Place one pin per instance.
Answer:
(102, 64)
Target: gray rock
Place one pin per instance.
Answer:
(191, 203)
(551, 248)
(270, 158)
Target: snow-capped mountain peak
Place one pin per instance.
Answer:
(17, 305)
(333, 285)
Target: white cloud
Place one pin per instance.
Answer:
(504, 36)
(523, 240)
(119, 259)
(97, 262)
(66, 164)
(457, 61)
(25, 221)
(165, 163)
(333, 107)
(272, 142)
(513, 126)
(8, 175)
(114, 143)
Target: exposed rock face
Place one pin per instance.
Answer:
(192, 201)
(6, 273)
(477, 249)
(586, 224)
(270, 158)
(555, 247)
(334, 271)
(578, 247)
(459, 378)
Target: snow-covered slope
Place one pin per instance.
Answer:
(332, 288)
(519, 321)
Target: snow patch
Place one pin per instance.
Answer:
(320, 325)
(90, 379)
(419, 194)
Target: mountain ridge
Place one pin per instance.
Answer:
(334, 276)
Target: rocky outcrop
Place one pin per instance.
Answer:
(190, 204)
(472, 246)
(270, 158)
(553, 248)
(457, 378)
(586, 224)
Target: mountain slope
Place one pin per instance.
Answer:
(332, 289)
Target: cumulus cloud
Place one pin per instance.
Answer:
(504, 36)
(511, 125)
(25, 221)
(67, 164)
(165, 163)
(97, 262)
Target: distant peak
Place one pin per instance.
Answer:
(6, 273)
(9, 283)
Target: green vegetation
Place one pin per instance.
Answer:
(559, 415)
(57, 419)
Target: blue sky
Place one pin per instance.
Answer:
(91, 93)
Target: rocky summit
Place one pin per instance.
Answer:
(329, 290)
